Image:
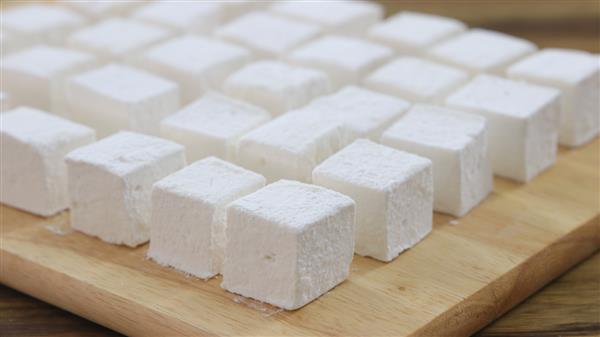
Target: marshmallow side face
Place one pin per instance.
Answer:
(456, 143)
(110, 184)
(393, 191)
(522, 120)
(197, 197)
(576, 73)
(34, 143)
(288, 243)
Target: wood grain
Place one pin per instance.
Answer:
(456, 281)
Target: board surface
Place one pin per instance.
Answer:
(462, 276)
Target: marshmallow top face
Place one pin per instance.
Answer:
(211, 180)
(562, 66)
(414, 32)
(195, 54)
(117, 37)
(501, 96)
(217, 116)
(482, 50)
(123, 83)
(371, 165)
(186, 16)
(45, 61)
(416, 79)
(333, 16)
(293, 205)
(33, 19)
(438, 127)
(39, 129)
(268, 34)
(125, 152)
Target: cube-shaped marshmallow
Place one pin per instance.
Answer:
(196, 63)
(36, 76)
(416, 79)
(6, 102)
(456, 143)
(101, 9)
(32, 169)
(276, 86)
(117, 39)
(182, 16)
(364, 113)
(116, 97)
(212, 126)
(412, 33)
(480, 50)
(110, 185)
(340, 17)
(267, 34)
(393, 191)
(189, 219)
(38, 23)
(347, 60)
(288, 243)
(577, 75)
(522, 120)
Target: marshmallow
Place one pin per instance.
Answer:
(116, 97)
(11, 42)
(32, 169)
(182, 16)
(288, 243)
(189, 219)
(456, 143)
(117, 39)
(36, 76)
(480, 50)
(268, 35)
(347, 60)
(212, 126)
(196, 63)
(37, 23)
(110, 184)
(276, 86)
(340, 17)
(576, 74)
(416, 79)
(5, 102)
(412, 33)
(522, 121)
(100, 9)
(393, 191)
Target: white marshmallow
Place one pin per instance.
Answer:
(347, 60)
(340, 17)
(5, 102)
(276, 86)
(522, 121)
(116, 97)
(196, 63)
(456, 143)
(416, 79)
(393, 191)
(117, 39)
(33, 173)
(576, 74)
(480, 50)
(268, 35)
(412, 33)
(100, 9)
(288, 243)
(37, 23)
(36, 76)
(110, 184)
(183, 16)
(212, 126)
(189, 219)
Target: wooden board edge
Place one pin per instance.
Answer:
(510, 289)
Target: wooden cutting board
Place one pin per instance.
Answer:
(461, 277)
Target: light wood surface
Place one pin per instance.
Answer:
(457, 280)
